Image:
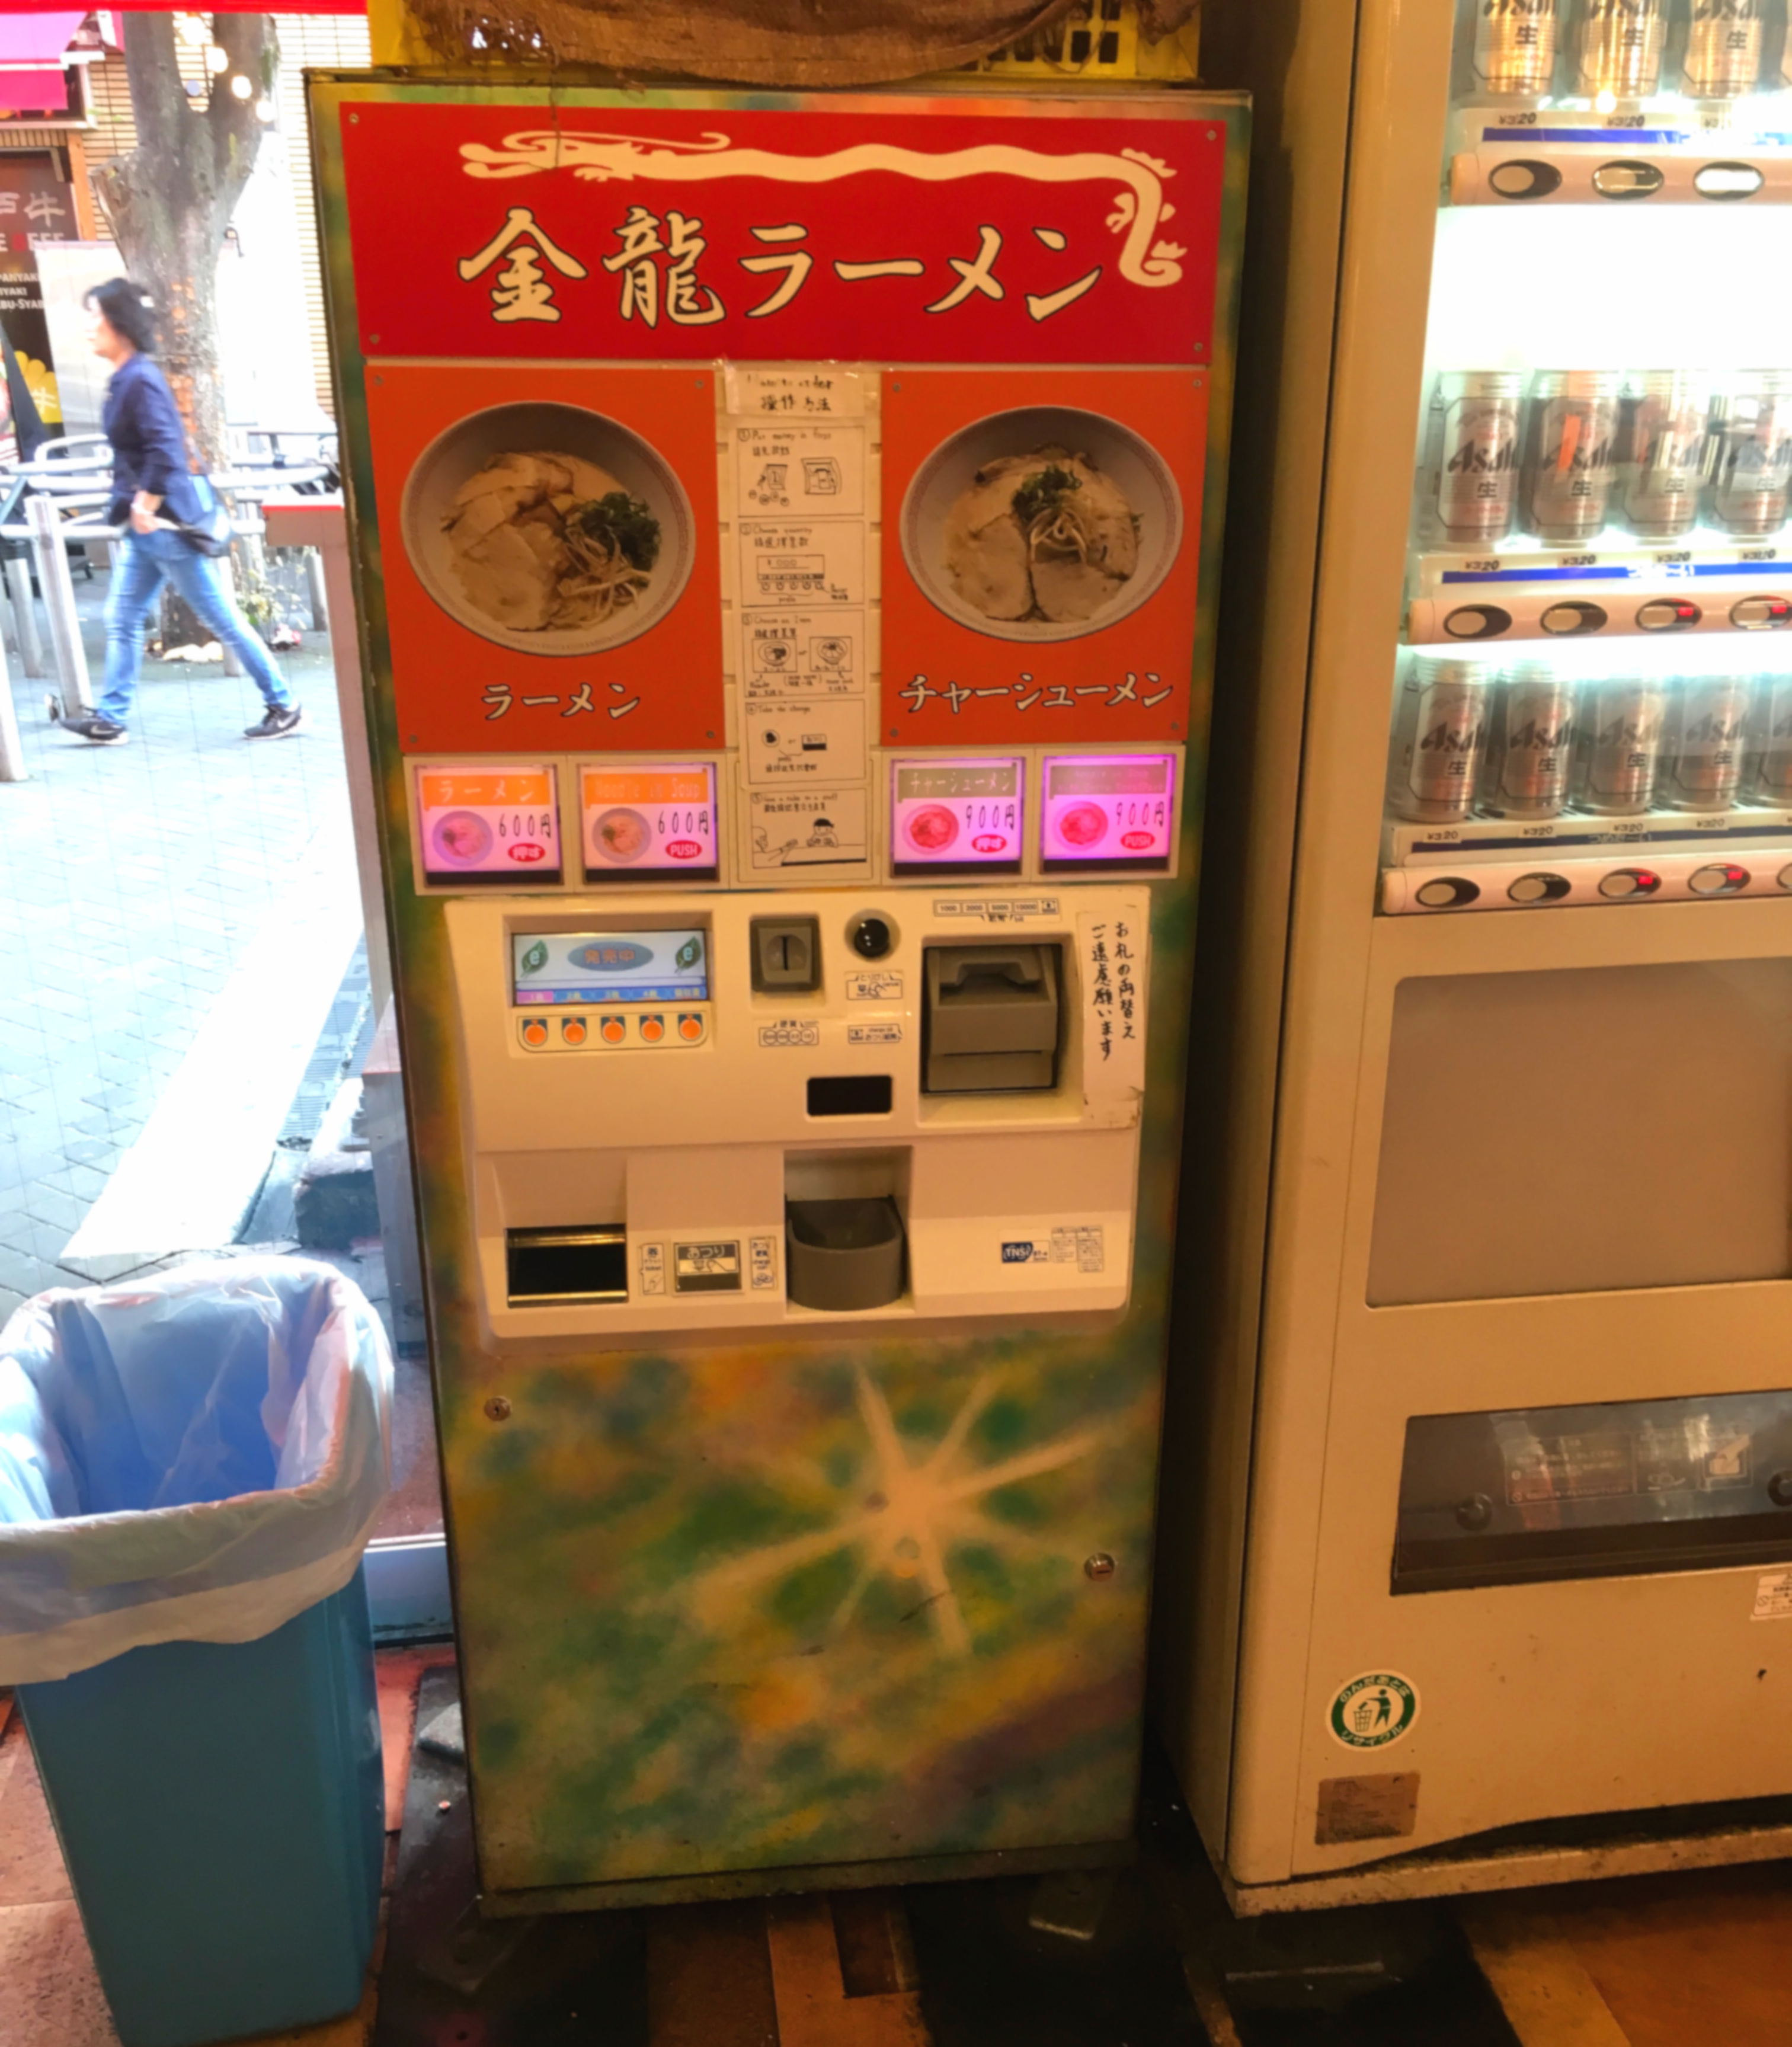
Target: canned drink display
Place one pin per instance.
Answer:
(1772, 782)
(1477, 419)
(1663, 465)
(1618, 751)
(1529, 745)
(1751, 452)
(1705, 744)
(1440, 738)
(1516, 45)
(1618, 47)
(1724, 39)
(1569, 446)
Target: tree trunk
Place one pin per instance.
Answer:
(168, 204)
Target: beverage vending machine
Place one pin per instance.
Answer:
(788, 534)
(1506, 1595)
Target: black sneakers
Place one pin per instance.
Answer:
(97, 730)
(276, 724)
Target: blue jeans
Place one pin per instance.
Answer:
(142, 563)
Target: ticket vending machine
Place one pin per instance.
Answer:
(789, 535)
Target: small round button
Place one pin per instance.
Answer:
(1625, 885)
(1785, 877)
(690, 1028)
(1446, 892)
(614, 1030)
(1475, 1513)
(573, 1030)
(534, 1031)
(652, 1029)
(871, 937)
(1539, 888)
(1721, 878)
(1779, 1489)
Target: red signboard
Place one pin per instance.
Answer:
(946, 231)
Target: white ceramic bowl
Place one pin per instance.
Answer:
(1132, 461)
(546, 428)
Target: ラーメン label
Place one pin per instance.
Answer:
(1373, 1710)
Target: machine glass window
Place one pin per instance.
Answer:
(560, 967)
(1624, 1487)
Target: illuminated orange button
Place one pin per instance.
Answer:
(614, 1030)
(652, 1029)
(690, 1028)
(534, 1031)
(573, 1030)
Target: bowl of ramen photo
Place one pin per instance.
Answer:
(1046, 523)
(549, 529)
(621, 835)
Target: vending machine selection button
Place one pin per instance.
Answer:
(1478, 621)
(690, 1028)
(1447, 893)
(614, 1030)
(1579, 616)
(1668, 614)
(1721, 878)
(1628, 884)
(652, 1029)
(1539, 888)
(1761, 614)
(572, 1031)
(534, 1031)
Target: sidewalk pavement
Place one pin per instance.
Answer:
(132, 880)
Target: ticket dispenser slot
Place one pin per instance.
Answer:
(991, 1020)
(550, 1267)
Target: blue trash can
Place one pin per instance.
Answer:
(189, 1470)
(222, 1810)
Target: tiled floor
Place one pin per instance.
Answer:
(131, 878)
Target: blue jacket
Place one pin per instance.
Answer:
(148, 442)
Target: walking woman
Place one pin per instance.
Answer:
(152, 488)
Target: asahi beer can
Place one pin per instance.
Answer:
(1529, 745)
(1477, 420)
(1706, 743)
(1440, 739)
(1751, 458)
(1724, 39)
(1570, 443)
(1662, 466)
(1618, 745)
(1618, 47)
(1516, 45)
(1773, 778)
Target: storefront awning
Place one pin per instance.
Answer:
(31, 47)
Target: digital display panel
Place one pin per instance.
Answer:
(1108, 809)
(642, 820)
(482, 824)
(946, 813)
(593, 967)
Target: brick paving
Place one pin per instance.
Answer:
(131, 880)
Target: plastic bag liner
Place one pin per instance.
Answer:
(195, 1457)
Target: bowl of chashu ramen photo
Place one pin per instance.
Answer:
(549, 529)
(1046, 523)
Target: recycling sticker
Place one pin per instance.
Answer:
(1373, 1710)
